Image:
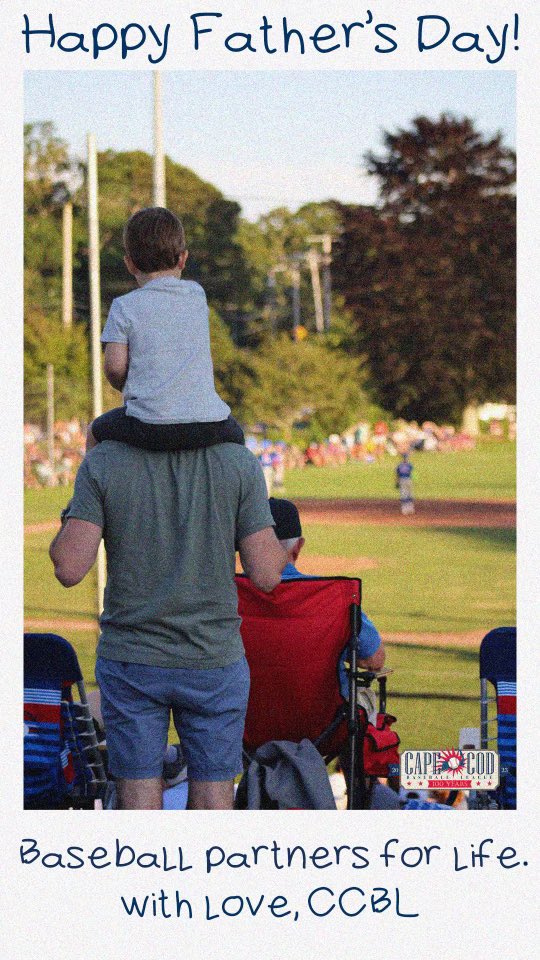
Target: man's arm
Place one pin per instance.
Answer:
(263, 558)
(74, 550)
(116, 363)
(371, 653)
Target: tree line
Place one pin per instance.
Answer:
(423, 312)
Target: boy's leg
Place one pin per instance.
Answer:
(117, 425)
(91, 441)
(109, 426)
(185, 436)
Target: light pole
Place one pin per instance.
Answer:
(312, 258)
(67, 265)
(95, 318)
(326, 240)
(159, 196)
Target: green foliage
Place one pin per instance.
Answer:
(279, 239)
(305, 381)
(45, 341)
(210, 221)
(430, 276)
(233, 368)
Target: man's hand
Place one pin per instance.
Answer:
(74, 550)
(263, 558)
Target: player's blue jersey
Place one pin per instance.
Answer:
(404, 470)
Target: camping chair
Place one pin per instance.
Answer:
(498, 668)
(63, 766)
(293, 639)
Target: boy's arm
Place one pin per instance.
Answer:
(116, 363)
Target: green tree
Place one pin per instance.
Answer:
(210, 220)
(305, 381)
(276, 240)
(50, 176)
(45, 341)
(430, 275)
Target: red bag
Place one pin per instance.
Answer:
(380, 746)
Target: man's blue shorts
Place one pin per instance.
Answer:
(208, 708)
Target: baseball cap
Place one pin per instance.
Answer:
(286, 518)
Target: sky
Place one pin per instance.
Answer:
(266, 138)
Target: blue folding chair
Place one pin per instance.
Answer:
(498, 669)
(63, 766)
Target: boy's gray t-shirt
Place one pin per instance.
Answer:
(170, 522)
(170, 377)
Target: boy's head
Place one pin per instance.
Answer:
(154, 241)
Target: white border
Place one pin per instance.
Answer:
(475, 910)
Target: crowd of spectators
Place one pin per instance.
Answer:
(69, 441)
(363, 443)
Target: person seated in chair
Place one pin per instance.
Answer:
(288, 530)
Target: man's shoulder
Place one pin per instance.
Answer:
(234, 454)
(99, 457)
(225, 454)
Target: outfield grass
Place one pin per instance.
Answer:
(45, 503)
(44, 596)
(427, 579)
(487, 473)
(432, 724)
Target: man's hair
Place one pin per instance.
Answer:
(289, 542)
(154, 239)
(286, 519)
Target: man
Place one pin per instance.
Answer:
(289, 533)
(170, 638)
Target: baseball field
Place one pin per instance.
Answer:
(433, 583)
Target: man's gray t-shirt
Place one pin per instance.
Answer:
(170, 522)
(170, 376)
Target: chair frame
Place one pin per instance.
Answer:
(78, 727)
(484, 798)
(357, 794)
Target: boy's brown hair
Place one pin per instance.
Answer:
(154, 239)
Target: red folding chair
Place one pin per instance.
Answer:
(293, 639)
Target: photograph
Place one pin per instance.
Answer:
(270, 440)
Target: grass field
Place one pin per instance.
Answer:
(487, 473)
(420, 579)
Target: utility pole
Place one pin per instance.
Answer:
(271, 283)
(312, 258)
(50, 424)
(67, 265)
(159, 196)
(95, 318)
(326, 240)
(295, 277)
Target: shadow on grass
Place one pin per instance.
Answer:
(427, 615)
(467, 655)
(497, 538)
(52, 613)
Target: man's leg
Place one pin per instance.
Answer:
(140, 794)
(136, 716)
(209, 715)
(210, 795)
